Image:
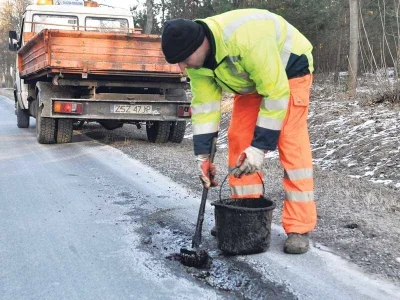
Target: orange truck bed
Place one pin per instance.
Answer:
(97, 53)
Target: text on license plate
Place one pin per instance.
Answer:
(132, 109)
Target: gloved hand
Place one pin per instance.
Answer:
(249, 161)
(207, 170)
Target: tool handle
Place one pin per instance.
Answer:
(199, 226)
(213, 149)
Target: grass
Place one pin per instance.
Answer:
(354, 193)
(337, 193)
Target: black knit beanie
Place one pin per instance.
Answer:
(180, 39)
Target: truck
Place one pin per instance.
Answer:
(80, 62)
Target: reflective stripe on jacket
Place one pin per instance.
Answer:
(256, 51)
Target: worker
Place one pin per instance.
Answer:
(267, 64)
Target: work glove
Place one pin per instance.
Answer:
(207, 170)
(249, 162)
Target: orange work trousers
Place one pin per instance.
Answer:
(299, 211)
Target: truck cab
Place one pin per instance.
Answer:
(74, 53)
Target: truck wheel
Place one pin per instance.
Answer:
(64, 130)
(177, 131)
(22, 117)
(158, 131)
(45, 128)
(15, 93)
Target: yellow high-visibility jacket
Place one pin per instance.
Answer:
(255, 51)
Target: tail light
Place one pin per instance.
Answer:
(44, 2)
(184, 111)
(67, 107)
(91, 3)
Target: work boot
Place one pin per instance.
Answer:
(296, 243)
(214, 231)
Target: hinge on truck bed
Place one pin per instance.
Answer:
(57, 77)
(85, 69)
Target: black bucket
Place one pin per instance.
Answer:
(243, 225)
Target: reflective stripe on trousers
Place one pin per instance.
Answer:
(240, 133)
(299, 210)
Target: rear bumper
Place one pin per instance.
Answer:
(105, 110)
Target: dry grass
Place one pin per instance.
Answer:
(354, 193)
(340, 191)
(374, 97)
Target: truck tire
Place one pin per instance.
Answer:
(158, 131)
(45, 128)
(64, 131)
(177, 131)
(15, 92)
(22, 116)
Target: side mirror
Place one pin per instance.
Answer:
(13, 41)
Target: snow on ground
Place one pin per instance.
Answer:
(359, 140)
(362, 141)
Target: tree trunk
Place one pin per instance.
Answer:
(342, 21)
(150, 17)
(162, 12)
(354, 44)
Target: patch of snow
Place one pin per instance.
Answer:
(339, 120)
(357, 113)
(365, 124)
(385, 182)
(315, 149)
(330, 152)
(355, 176)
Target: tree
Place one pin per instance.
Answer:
(11, 13)
(341, 33)
(150, 17)
(353, 51)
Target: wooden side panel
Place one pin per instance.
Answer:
(95, 53)
(32, 57)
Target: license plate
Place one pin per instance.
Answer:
(132, 109)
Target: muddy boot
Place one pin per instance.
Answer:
(296, 243)
(214, 231)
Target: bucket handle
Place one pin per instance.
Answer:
(226, 177)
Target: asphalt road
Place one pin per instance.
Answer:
(85, 221)
(60, 235)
